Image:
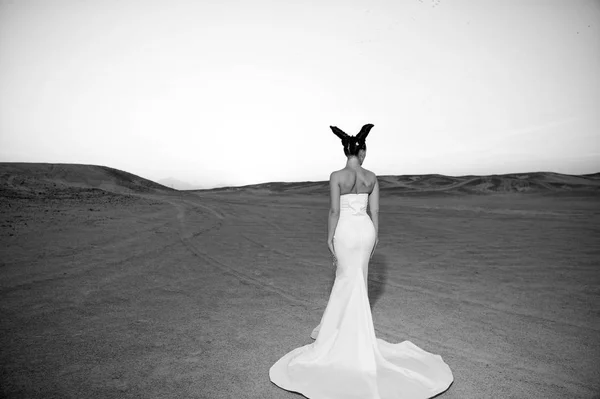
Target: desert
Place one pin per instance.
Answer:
(113, 286)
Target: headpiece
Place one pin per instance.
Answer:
(360, 137)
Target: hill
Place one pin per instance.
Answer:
(434, 184)
(38, 179)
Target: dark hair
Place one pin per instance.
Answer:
(353, 144)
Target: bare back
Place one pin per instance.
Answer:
(355, 181)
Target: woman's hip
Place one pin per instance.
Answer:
(355, 230)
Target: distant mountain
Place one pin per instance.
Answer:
(433, 184)
(178, 184)
(27, 179)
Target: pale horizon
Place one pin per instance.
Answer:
(226, 94)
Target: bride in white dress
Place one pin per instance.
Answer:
(347, 361)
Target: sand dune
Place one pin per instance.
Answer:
(145, 292)
(31, 179)
(539, 182)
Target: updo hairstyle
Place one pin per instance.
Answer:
(353, 144)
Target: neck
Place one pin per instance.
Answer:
(352, 162)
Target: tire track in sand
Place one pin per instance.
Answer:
(186, 239)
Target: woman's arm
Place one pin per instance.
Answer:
(374, 209)
(334, 210)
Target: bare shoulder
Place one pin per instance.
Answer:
(339, 174)
(335, 176)
(370, 175)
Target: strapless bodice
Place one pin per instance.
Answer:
(354, 204)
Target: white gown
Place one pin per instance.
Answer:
(347, 361)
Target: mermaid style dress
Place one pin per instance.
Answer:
(347, 361)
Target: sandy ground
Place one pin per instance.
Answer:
(196, 295)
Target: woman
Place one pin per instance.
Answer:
(347, 361)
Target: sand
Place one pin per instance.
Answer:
(197, 294)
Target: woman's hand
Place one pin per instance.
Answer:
(374, 246)
(331, 249)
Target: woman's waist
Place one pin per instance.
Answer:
(353, 212)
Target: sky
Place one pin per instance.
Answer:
(223, 92)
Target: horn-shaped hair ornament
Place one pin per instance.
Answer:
(362, 135)
(364, 132)
(340, 133)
